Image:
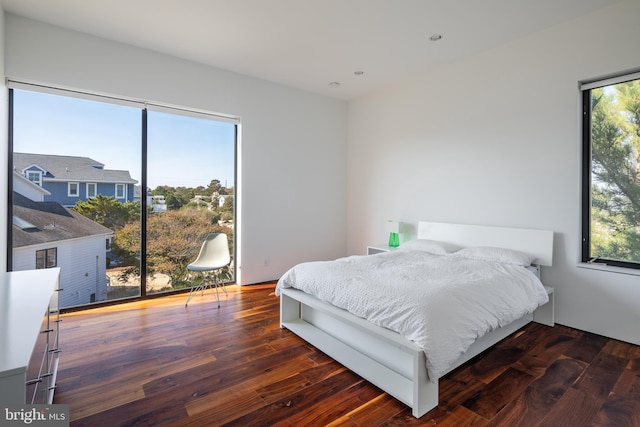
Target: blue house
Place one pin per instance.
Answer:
(70, 178)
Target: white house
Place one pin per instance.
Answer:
(28, 189)
(221, 199)
(46, 234)
(156, 203)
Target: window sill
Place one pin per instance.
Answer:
(609, 268)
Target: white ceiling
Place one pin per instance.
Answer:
(309, 43)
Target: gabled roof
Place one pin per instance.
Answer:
(35, 166)
(49, 222)
(24, 181)
(70, 168)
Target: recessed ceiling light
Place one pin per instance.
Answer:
(435, 37)
(358, 73)
(334, 84)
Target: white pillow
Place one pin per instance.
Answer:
(487, 253)
(425, 245)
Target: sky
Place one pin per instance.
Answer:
(182, 151)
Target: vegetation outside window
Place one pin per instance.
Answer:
(611, 172)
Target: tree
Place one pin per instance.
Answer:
(172, 202)
(615, 168)
(173, 241)
(226, 211)
(175, 198)
(214, 187)
(108, 211)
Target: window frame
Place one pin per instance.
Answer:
(95, 190)
(77, 191)
(586, 182)
(144, 107)
(42, 262)
(32, 172)
(124, 191)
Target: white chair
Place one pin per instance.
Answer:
(213, 257)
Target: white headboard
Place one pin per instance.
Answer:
(534, 242)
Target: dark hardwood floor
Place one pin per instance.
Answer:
(158, 362)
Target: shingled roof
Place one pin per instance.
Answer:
(71, 168)
(43, 222)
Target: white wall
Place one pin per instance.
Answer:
(495, 139)
(293, 147)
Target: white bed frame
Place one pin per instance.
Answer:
(387, 359)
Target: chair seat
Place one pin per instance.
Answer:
(196, 267)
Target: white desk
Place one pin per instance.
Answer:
(28, 335)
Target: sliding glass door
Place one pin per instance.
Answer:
(119, 196)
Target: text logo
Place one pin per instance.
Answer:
(34, 415)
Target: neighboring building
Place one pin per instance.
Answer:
(157, 203)
(69, 179)
(137, 194)
(28, 189)
(46, 234)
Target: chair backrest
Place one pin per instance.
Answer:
(214, 252)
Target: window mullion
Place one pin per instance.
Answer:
(143, 206)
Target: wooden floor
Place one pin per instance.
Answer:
(158, 363)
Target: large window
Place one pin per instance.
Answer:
(147, 179)
(611, 171)
(190, 169)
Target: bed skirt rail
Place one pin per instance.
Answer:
(381, 356)
(384, 358)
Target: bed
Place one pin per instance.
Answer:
(388, 359)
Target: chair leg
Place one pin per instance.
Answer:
(224, 288)
(215, 282)
(217, 296)
(195, 289)
(191, 292)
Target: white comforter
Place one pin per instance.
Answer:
(441, 303)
